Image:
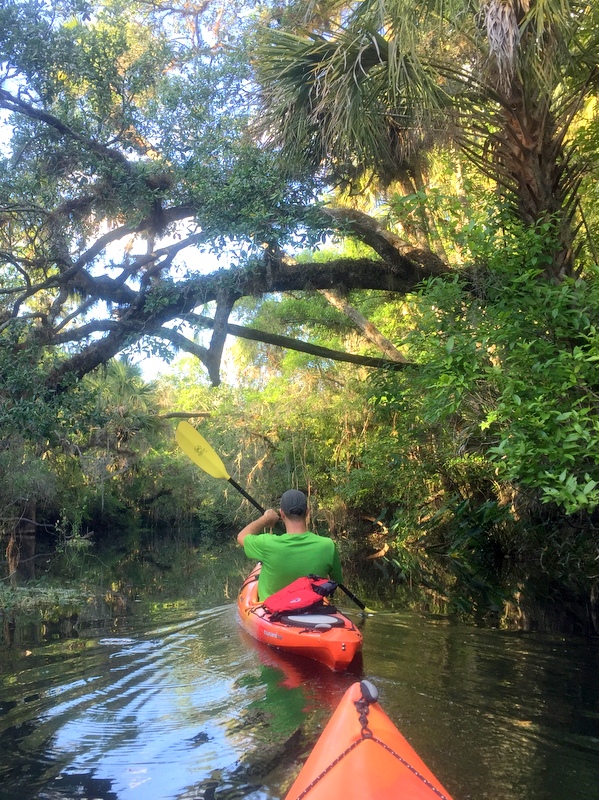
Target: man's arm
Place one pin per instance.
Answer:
(268, 520)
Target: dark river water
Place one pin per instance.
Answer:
(181, 703)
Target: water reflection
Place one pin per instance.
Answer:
(186, 705)
(495, 714)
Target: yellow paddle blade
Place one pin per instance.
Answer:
(197, 448)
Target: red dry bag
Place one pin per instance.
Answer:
(303, 595)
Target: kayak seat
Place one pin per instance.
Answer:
(312, 620)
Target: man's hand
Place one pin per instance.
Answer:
(270, 518)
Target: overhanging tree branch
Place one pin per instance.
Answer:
(165, 302)
(255, 335)
(17, 105)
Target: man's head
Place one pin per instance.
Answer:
(294, 504)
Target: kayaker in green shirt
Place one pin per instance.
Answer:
(293, 554)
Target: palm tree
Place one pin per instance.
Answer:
(508, 80)
(128, 403)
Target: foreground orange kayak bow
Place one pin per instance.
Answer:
(362, 756)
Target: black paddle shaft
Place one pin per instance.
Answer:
(352, 596)
(246, 495)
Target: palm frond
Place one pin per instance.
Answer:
(358, 96)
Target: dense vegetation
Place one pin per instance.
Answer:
(372, 229)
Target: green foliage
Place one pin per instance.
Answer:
(453, 210)
(25, 479)
(496, 425)
(72, 544)
(27, 406)
(245, 201)
(519, 365)
(126, 404)
(468, 537)
(47, 600)
(373, 91)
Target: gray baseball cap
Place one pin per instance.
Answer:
(294, 503)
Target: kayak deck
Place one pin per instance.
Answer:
(331, 639)
(361, 755)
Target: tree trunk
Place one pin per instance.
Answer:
(387, 348)
(531, 158)
(12, 558)
(20, 553)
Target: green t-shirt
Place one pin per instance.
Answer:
(289, 556)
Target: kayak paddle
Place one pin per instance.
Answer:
(353, 597)
(201, 453)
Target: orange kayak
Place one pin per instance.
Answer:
(332, 639)
(362, 756)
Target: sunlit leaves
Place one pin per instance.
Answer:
(518, 364)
